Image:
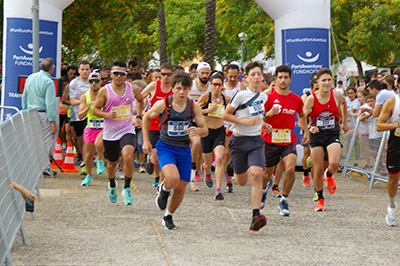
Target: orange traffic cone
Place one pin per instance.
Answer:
(69, 165)
(57, 155)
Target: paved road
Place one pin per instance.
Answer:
(78, 226)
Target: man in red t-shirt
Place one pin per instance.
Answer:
(280, 144)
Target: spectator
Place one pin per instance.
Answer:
(132, 67)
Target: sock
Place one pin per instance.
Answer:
(392, 203)
(275, 187)
(128, 182)
(283, 198)
(194, 166)
(320, 194)
(157, 179)
(167, 213)
(164, 189)
(80, 157)
(306, 172)
(112, 182)
(256, 212)
(328, 174)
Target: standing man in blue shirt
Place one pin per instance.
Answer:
(39, 93)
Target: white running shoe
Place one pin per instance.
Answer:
(391, 216)
(120, 174)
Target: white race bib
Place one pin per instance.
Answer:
(281, 136)
(96, 124)
(326, 122)
(256, 108)
(177, 128)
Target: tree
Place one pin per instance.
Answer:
(209, 32)
(162, 34)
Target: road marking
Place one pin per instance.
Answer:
(134, 187)
(161, 243)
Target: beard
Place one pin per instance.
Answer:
(204, 80)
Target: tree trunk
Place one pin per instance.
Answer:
(209, 32)
(162, 34)
(360, 71)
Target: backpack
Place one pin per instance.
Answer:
(167, 103)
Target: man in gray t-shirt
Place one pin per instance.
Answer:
(381, 96)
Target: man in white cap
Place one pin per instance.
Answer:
(200, 86)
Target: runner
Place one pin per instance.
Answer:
(213, 105)
(323, 108)
(173, 146)
(200, 85)
(245, 112)
(119, 133)
(94, 129)
(389, 119)
(280, 144)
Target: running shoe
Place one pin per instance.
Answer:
(355, 164)
(320, 205)
(142, 169)
(283, 208)
(120, 174)
(276, 193)
(126, 193)
(167, 222)
(208, 181)
(218, 195)
(149, 165)
(86, 181)
(258, 222)
(306, 181)
(309, 161)
(156, 181)
(198, 178)
(367, 167)
(391, 216)
(162, 198)
(331, 186)
(47, 173)
(315, 197)
(112, 193)
(194, 186)
(229, 168)
(229, 187)
(273, 175)
(83, 170)
(100, 167)
(264, 195)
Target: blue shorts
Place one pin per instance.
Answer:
(179, 156)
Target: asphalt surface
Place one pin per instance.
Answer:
(79, 226)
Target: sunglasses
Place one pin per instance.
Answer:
(217, 84)
(119, 73)
(94, 81)
(104, 78)
(166, 74)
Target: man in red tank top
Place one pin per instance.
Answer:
(156, 91)
(322, 106)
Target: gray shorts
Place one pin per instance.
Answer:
(246, 151)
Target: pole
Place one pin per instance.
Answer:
(35, 35)
(241, 56)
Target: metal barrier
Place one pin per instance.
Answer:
(365, 138)
(23, 158)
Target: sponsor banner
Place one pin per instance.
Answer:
(19, 57)
(305, 51)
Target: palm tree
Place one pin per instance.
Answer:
(162, 34)
(209, 32)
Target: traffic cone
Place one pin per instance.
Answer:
(69, 165)
(57, 155)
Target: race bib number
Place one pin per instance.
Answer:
(256, 108)
(326, 122)
(397, 132)
(217, 113)
(123, 112)
(281, 136)
(96, 124)
(177, 128)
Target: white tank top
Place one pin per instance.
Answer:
(396, 112)
(233, 91)
(195, 93)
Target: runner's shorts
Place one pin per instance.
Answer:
(324, 138)
(246, 151)
(91, 134)
(393, 163)
(274, 153)
(215, 138)
(181, 157)
(113, 147)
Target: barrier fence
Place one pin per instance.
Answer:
(23, 158)
(364, 150)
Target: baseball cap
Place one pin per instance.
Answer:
(203, 65)
(94, 74)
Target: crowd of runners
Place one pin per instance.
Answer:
(238, 123)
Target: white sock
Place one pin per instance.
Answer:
(163, 188)
(392, 203)
(167, 213)
(283, 198)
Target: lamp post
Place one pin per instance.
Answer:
(243, 38)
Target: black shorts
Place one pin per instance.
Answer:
(393, 163)
(215, 138)
(246, 151)
(154, 136)
(113, 147)
(62, 119)
(274, 153)
(79, 126)
(324, 139)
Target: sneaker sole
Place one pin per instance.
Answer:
(219, 197)
(159, 205)
(260, 223)
(281, 212)
(388, 222)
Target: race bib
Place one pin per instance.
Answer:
(96, 124)
(397, 132)
(281, 136)
(123, 112)
(326, 122)
(256, 108)
(134, 120)
(217, 113)
(177, 128)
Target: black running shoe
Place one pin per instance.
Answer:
(167, 222)
(149, 165)
(258, 222)
(162, 197)
(229, 187)
(229, 168)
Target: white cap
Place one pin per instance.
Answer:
(95, 74)
(203, 65)
(236, 63)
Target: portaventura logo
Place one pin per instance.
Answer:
(290, 40)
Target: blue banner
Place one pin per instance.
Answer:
(305, 51)
(19, 55)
